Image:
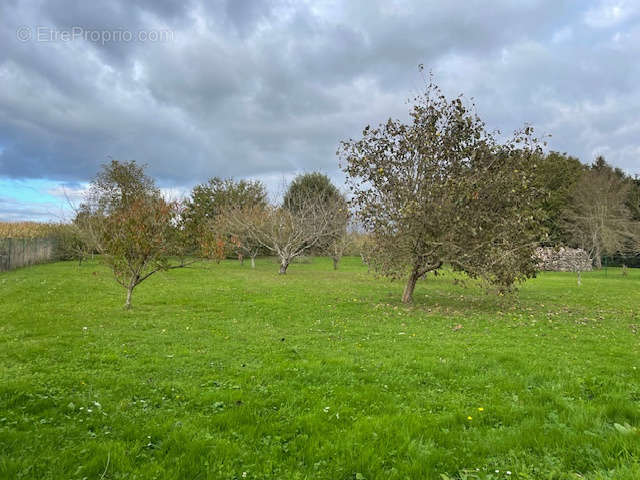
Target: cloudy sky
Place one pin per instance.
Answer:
(259, 89)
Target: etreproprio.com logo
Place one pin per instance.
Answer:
(41, 33)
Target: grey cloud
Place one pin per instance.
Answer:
(265, 89)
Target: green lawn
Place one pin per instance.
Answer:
(219, 371)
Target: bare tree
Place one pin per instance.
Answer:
(317, 187)
(286, 233)
(598, 218)
(242, 237)
(75, 241)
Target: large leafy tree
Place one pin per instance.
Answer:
(201, 215)
(441, 189)
(314, 186)
(210, 199)
(556, 175)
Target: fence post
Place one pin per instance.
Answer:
(4, 254)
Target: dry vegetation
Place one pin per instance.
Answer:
(26, 229)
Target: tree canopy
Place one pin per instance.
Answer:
(118, 184)
(210, 199)
(202, 211)
(314, 186)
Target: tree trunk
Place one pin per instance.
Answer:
(598, 261)
(407, 296)
(335, 262)
(417, 272)
(132, 284)
(127, 304)
(284, 263)
(364, 260)
(253, 262)
(597, 256)
(579, 278)
(241, 258)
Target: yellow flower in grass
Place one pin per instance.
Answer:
(480, 409)
(469, 417)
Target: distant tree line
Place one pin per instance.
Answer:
(593, 207)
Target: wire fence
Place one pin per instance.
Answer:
(631, 260)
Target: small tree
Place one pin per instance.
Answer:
(442, 190)
(237, 223)
(361, 244)
(135, 241)
(130, 223)
(339, 241)
(74, 241)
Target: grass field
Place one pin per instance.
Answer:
(224, 372)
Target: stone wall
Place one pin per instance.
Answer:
(563, 259)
